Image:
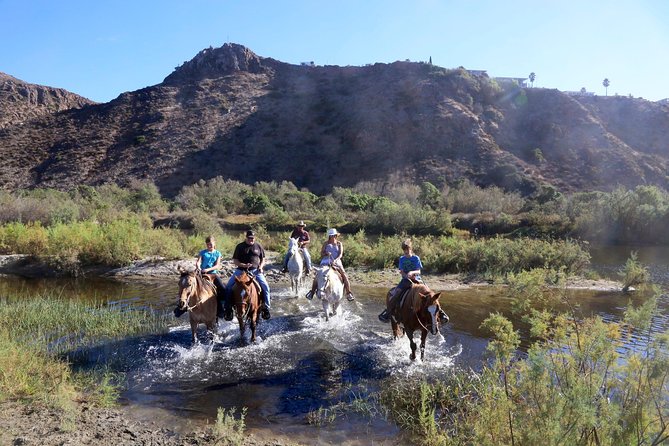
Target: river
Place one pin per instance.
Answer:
(301, 362)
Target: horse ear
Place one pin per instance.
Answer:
(435, 297)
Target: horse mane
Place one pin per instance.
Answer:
(203, 286)
(416, 293)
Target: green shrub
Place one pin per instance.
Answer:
(228, 429)
(634, 273)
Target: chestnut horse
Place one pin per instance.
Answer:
(418, 309)
(246, 302)
(197, 296)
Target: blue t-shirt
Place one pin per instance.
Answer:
(209, 259)
(412, 263)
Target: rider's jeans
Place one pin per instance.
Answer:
(260, 277)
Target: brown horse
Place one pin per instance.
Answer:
(246, 302)
(418, 310)
(197, 296)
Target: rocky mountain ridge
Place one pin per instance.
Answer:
(21, 101)
(229, 112)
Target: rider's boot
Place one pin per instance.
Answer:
(264, 312)
(386, 315)
(310, 294)
(347, 286)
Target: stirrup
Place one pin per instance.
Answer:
(310, 295)
(384, 316)
(350, 297)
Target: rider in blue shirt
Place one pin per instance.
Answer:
(209, 262)
(410, 267)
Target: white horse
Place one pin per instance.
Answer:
(295, 265)
(330, 289)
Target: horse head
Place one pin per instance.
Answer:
(241, 290)
(431, 307)
(187, 289)
(323, 280)
(293, 245)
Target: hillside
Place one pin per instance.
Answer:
(229, 112)
(21, 101)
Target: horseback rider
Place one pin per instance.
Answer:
(331, 254)
(409, 267)
(209, 262)
(249, 256)
(302, 236)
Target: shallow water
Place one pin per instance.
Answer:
(300, 362)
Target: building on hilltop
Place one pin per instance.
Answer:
(520, 81)
(579, 93)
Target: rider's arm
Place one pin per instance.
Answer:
(198, 262)
(412, 274)
(239, 264)
(341, 251)
(306, 240)
(217, 265)
(324, 253)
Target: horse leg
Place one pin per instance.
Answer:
(254, 324)
(242, 327)
(325, 308)
(193, 330)
(412, 344)
(211, 326)
(423, 335)
(397, 331)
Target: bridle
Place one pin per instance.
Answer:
(425, 307)
(246, 303)
(326, 282)
(190, 293)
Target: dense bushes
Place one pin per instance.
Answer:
(113, 226)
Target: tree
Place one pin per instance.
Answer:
(532, 77)
(606, 84)
(583, 90)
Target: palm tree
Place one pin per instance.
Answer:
(532, 77)
(606, 84)
(583, 90)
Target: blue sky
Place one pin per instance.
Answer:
(100, 49)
